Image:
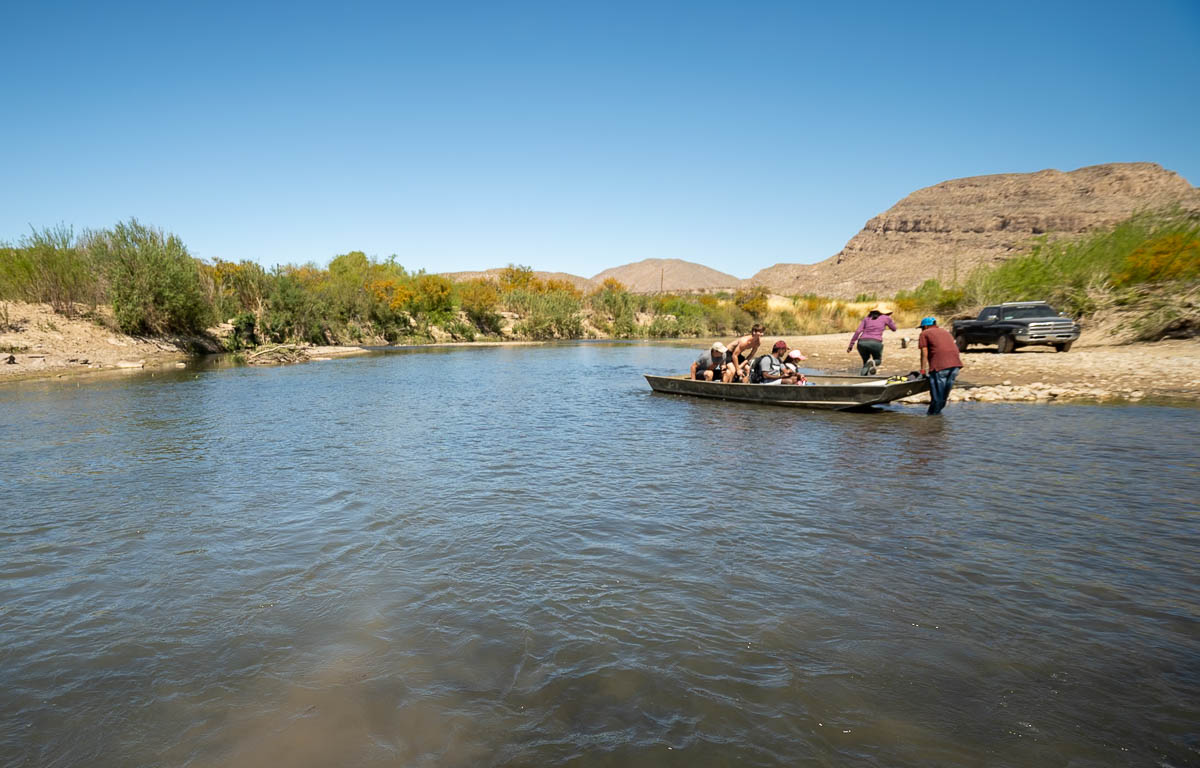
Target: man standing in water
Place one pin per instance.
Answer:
(939, 356)
(741, 352)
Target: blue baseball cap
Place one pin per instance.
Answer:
(927, 321)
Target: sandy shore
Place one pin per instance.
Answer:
(1092, 369)
(42, 344)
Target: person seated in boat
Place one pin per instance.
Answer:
(741, 353)
(710, 366)
(769, 369)
(791, 365)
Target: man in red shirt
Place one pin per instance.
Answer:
(939, 357)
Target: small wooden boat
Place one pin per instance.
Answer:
(836, 392)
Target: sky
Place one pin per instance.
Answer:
(566, 136)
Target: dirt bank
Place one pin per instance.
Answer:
(35, 343)
(44, 344)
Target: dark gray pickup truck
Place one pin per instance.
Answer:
(1017, 324)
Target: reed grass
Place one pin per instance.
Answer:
(1146, 248)
(49, 266)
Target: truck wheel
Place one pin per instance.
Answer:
(960, 341)
(1064, 347)
(1005, 344)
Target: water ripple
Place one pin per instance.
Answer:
(379, 562)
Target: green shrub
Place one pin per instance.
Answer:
(461, 331)
(236, 288)
(625, 327)
(243, 335)
(49, 266)
(154, 285)
(663, 326)
(546, 315)
(613, 300)
(296, 312)
(692, 325)
(345, 286)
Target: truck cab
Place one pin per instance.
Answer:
(1016, 324)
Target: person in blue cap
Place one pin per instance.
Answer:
(939, 358)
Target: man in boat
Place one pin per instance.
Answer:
(769, 368)
(741, 352)
(710, 365)
(939, 357)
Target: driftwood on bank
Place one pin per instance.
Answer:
(278, 354)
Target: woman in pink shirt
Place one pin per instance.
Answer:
(870, 338)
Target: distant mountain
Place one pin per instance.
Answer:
(939, 232)
(582, 283)
(944, 230)
(651, 275)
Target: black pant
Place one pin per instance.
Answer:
(867, 349)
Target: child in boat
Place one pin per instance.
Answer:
(791, 365)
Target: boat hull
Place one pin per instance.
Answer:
(834, 392)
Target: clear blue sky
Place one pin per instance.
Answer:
(570, 136)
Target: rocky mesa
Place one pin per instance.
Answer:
(945, 230)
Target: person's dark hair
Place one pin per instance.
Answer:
(758, 328)
(874, 313)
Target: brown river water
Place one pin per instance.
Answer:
(522, 556)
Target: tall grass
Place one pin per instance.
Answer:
(552, 314)
(1155, 252)
(49, 266)
(1146, 248)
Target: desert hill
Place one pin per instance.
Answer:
(652, 275)
(582, 283)
(944, 230)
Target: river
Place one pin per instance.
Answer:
(522, 556)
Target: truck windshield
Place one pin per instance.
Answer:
(1018, 313)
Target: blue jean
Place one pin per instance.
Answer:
(940, 384)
